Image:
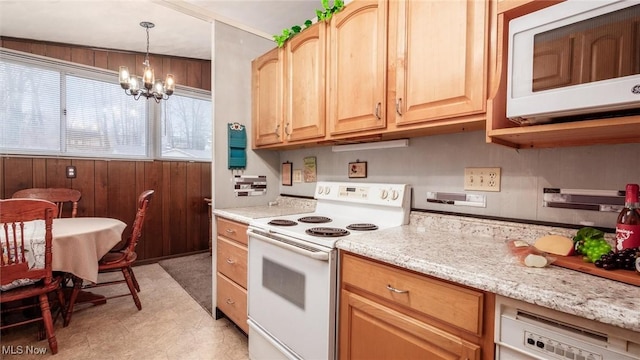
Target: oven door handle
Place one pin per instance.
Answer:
(319, 255)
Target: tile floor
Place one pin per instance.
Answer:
(171, 325)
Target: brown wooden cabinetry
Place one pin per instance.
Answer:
(391, 313)
(393, 69)
(231, 274)
(266, 98)
(304, 89)
(357, 68)
(289, 92)
(440, 63)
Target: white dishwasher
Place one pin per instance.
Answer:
(525, 331)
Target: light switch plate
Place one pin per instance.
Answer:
(482, 179)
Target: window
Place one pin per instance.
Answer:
(29, 109)
(54, 108)
(186, 128)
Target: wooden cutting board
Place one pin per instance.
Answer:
(576, 263)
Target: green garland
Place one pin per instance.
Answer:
(323, 15)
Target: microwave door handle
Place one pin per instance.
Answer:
(320, 255)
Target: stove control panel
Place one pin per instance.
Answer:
(368, 193)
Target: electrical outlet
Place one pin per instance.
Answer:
(482, 179)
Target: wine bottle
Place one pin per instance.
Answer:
(628, 224)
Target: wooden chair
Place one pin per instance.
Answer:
(58, 196)
(14, 266)
(119, 260)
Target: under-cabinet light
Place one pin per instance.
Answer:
(372, 145)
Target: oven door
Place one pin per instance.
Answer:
(292, 298)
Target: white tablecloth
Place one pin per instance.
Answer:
(78, 244)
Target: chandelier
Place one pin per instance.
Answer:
(151, 88)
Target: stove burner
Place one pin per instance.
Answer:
(362, 227)
(327, 232)
(282, 222)
(314, 219)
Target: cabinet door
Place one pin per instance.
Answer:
(304, 64)
(357, 71)
(266, 90)
(369, 330)
(441, 61)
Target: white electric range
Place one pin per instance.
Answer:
(292, 266)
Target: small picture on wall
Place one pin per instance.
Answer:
(358, 169)
(286, 173)
(310, 170)
(297, 176)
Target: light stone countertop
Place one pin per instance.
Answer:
(473, 252)
(285, 206)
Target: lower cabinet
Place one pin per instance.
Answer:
(390, 313)
(231, 272)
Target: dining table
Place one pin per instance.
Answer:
(80, 242)
(78, 245)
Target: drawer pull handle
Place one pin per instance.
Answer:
(229, 261)
(230, 302)
(391, 288)
(230, 231)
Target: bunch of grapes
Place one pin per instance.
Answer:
(593, 249)
(624, 259)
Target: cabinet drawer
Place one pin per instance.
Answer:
(231, 299)
(452, 304)
(232, 261)
(232, 230)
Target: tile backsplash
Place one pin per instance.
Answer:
(436, 164)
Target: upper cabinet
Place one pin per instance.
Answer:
(304, 90)
(393, 69)
(357, 68)
(439, 51)
(266, 98)
(289, 92)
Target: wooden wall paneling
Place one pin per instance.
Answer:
(178, 208)
(101, 184)
(117, 59)
(39, 49)
(194, 207)
(19, 174)
(206, 75)
(16, 45)
(58, 52)
(82, 56)
(166, 209)
(153, 228)
(85, 182)
(100, 59)
(194, 73)
(39, 171)
(121, 191)
(56, 173)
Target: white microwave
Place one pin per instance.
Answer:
(575, 59)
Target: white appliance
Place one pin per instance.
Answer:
(525, 331)
(574, 58)
(292, 273)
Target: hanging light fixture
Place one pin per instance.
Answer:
(151, 88)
